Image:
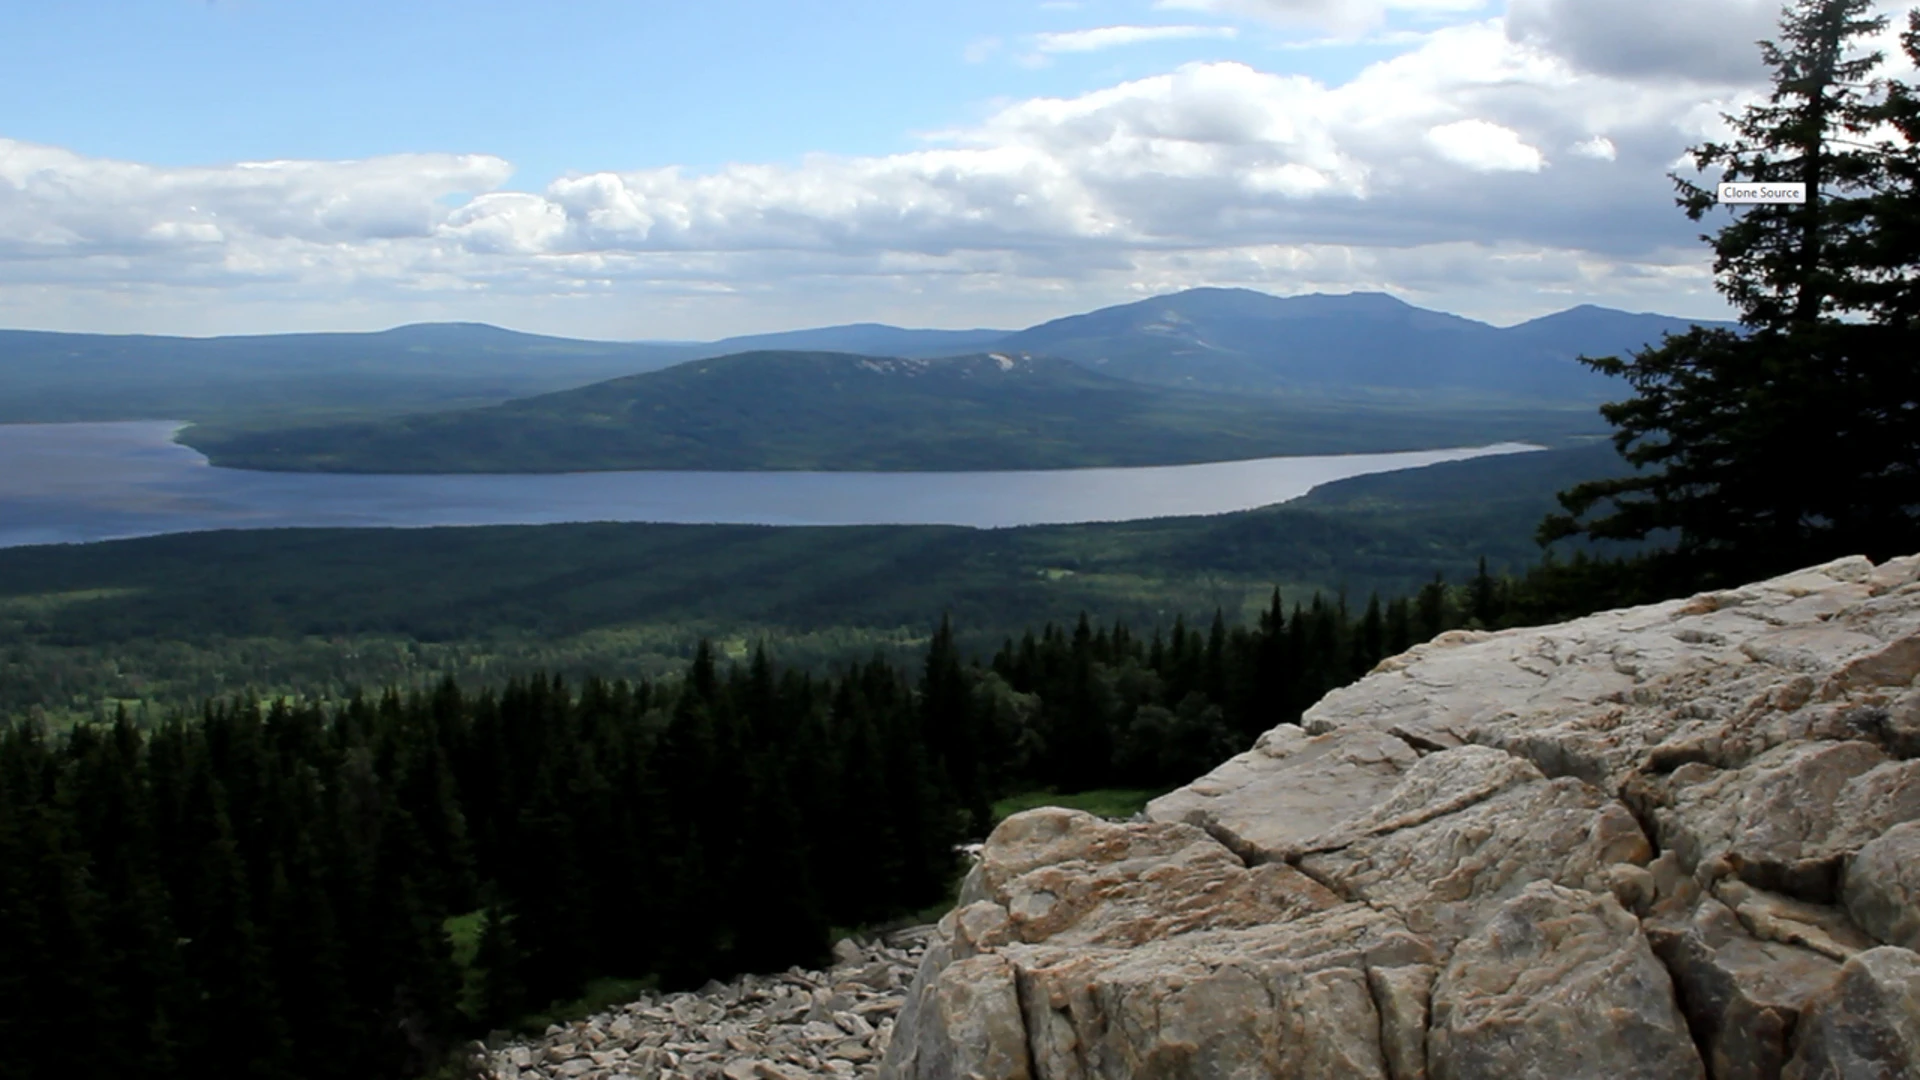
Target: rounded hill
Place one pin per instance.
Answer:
(842, 411)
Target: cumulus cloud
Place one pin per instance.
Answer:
(54, 202)
(1598, 147)
(1477, 140)
(1484, 147)
(1107, 37)
(1702, 40)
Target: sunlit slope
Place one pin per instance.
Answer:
(839, 411)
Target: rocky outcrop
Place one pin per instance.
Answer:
(1672, 841)
(776, 1027)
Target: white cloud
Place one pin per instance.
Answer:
(1485, 147)
(1107, 37)
(507, 222)
(1399, 177)
(54, 202)
(1597, 147)
(1346, 16)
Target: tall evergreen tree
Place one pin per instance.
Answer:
(953, 729)
(1723, 425)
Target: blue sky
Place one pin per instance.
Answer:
(649, 169)
(578, 85)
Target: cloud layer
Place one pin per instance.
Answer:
(1498, 167)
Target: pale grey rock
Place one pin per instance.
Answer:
(1866, 1025)
(1437, 785)
(1447, 875)
(967, 1026)
(1892, 665)
(1882, 890)
(1776, 819)
(1402, 996)
(1742, 995)
(1287, 1001)
(1150, 946)
(1560, 983)
(1893, 726)
(1271, 802)
(1894, 574)
(1772, 917)
(1873, 802)
(1597, 697)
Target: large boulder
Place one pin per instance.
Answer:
(1882, 888)
(1279, 798)
(1742, 994)
(1866, 1026)
(1558, 983)
(1670, 841)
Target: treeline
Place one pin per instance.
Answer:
(264, 891)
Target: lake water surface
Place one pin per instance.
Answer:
(64, 483)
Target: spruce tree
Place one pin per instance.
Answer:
(503, 994)
(1798, 438)
(953, 729)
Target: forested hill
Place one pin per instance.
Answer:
(831, 411)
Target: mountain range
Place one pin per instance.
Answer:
(1238, 339)
(843, 411)
(1363, 344)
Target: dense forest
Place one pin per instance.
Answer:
(166, 622)
(264, 890)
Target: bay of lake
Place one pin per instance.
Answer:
(70, 483)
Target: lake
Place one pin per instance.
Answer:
(68, 483)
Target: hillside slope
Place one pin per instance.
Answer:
(837, 411)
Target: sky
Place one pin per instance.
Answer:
(655, 170)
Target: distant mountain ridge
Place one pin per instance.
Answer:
(48, 376)
(844, 411)
(1238, 340)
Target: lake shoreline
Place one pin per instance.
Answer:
(81, 483)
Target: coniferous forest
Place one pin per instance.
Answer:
(266, 890)
(263, 890)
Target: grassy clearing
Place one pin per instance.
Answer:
(599, 996)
